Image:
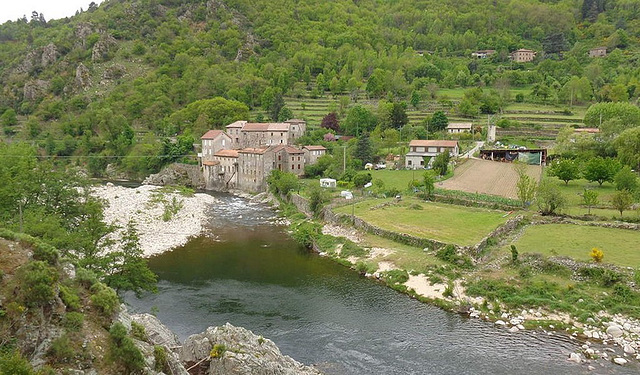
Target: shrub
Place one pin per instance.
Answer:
(61, 350)
(396, 277)
(596, 254)
(38, 281)
(72, 321)
(351, 249)
(514, 254)
(218, 351)
(160, 357)
(124, 350)
(448, 291)
(70, 297)
(138, 331)
(86, 277)
(361, 267)
(105, 299)
(11, 362)
(305, 232)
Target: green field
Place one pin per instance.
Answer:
(442, 222)
(620, 246)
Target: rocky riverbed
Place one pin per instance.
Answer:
(164, 220)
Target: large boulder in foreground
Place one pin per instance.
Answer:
(233, 350)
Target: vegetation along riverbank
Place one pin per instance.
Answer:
(516, 268)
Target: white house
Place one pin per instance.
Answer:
(459, 127)
(420, 149)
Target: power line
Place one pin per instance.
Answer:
(92, 156)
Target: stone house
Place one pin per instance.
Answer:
(212, 142)
(459, 127)
(248, 134)
(288, 159)
(598, 52)
(254, 166)
(221, 173)
(421, 149)
(523, 55)
(312, 153)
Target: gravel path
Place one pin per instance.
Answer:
(143, 207)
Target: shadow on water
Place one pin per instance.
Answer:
(252, 274)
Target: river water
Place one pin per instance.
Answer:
(251, 274)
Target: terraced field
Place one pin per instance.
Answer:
(488, 177)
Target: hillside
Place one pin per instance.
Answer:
(122, 80)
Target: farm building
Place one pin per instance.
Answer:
(598, 52)
(420, 149)
(533, 156)
(523, 55)
(459, 127)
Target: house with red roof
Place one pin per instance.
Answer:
(420, 150)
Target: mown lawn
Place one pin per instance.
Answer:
(620, 246)
(442, 222)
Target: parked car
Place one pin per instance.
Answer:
(381, 166)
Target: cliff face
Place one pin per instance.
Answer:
(59, 319)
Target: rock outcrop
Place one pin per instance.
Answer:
(233, 350)
(83, 77)
(49, 55)
(177, 174)
(35, 89)
(103, 47)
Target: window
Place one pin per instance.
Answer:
(224, 141)
(298, 166)
(408, 162)
(421, 162)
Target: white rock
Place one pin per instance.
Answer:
(589, 334)
(626, 326)
(513, 329)
(590, 352)
(504, 315)
(620, 361)
(591, 368)
(629, 349)
(614, 330)
(595, 335)
(500, 323)
(575, 357)
(520, 327)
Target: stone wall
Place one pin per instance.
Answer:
(178, 174)
(301, 203)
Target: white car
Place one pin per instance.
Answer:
(381, 166)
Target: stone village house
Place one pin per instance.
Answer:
(243, 157)
(421, 149)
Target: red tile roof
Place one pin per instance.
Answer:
(287, 149)
(433, 143)
(227, 153)
(212, 134)
(265, 126)
(210, 162)
(251, 150)
(459, 125)
(237, 124)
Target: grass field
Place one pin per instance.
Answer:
(442, 222)
(620, 246)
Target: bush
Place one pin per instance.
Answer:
(124, 350)
(38, 281)
(514, 254)
(105, 299)
(218, 351)
(70, 297)
(160, 358)
(86, 277)
(61, 350)
(138, 331)
(73, 321)
(305, 233)
(396, 277)
(11, 362)
(596, 254)
(351, 249)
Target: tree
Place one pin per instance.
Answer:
(9, 118)
(626, 179)
(415, 99)
(597, 113)
(285, 114)
(628, 147)
(126, 269)
(590, 199)
(330, 121)
(549, 198)
(441, 163)
(276, 106)
(622, 200)
(601, 169)
(439, 121)
(317, 198)
(429, 183)
(526, 187)
(364, 149)
(359, 119)
(565, 169)
(399, 116)
(282, 183)
(361, 179)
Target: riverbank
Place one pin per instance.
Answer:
(532, 293)
(165, 218)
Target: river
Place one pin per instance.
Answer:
(251, 274)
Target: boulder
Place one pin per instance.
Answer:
(614, 330)
(243, 353)
(620, 361)
(575, 357)
(157, 333)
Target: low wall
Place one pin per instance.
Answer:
(301, 203)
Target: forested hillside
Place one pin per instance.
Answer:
(131, 80)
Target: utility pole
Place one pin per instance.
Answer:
(344, 158)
